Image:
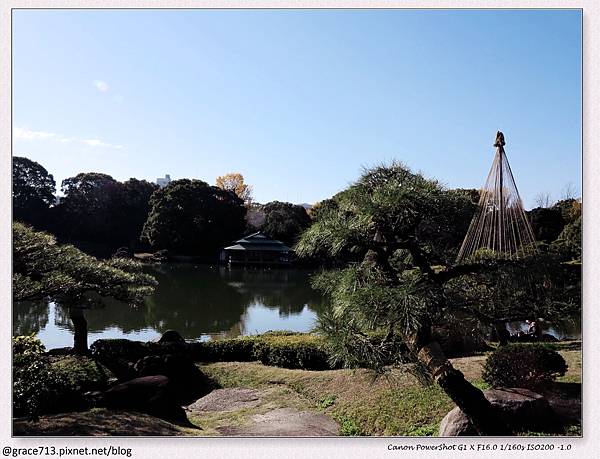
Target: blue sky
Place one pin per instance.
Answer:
(299, 101)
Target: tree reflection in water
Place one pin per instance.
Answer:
(196, 301)
(29, 317)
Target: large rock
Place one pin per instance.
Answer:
(285, 422)
(456, 424)
(187, 380)
(138, 393)
(149, 394)
(171, 336)
(108, 349)
(123, 252)
(61, 351)
(119, 355)
(521, 408)
(229, 399)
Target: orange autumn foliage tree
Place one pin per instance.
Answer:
(235, 182)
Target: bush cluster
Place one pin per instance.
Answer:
(119, 349)
(226, 350)
(37, 387)
(83, 373)
(303, 351)
(523, 365)
(281, 349)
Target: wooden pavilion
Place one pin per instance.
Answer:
(256, 249)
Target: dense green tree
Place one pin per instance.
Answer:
(399, 220)
(90, 209)
(99, 209)
(472, 193)
(32, 191)
(190, 216)
(546, 222)
(135, 207)
(285, 221)
(568, 242)
(45, 270)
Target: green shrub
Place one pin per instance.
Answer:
(298, 350)
(523, 365)
(326, 402)
(282, 348)
(82, 373)
(226, 350)
(25, 347)
(428, 430)
(348, 426)
(37, 387)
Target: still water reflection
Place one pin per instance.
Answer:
(203, 302)
(200, 302)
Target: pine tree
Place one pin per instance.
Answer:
(45, 270)
(398, 221)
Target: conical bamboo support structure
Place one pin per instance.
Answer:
(500, 224)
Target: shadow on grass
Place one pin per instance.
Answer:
(96, 422)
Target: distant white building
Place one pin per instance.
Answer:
(163, 182)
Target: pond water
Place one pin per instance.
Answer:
(203, 302)
(200, 302)
(568, 328)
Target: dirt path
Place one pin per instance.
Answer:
(272, 412)
(239, 412)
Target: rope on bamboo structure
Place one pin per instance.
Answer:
(500, 224)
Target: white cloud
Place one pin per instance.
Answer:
(101, 85)
(100, 143)
(27, 134)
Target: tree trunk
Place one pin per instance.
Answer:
(80, 331)
(467, 397)
(501, 333)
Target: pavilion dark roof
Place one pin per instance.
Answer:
(259, 242)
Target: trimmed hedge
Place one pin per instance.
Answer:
(523, 365)
(281, 349)
(225, 350)
(295, 351)
(284, 349)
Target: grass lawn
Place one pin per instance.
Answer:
(394, 404)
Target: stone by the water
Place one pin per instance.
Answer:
(171, 336)
(523, 409)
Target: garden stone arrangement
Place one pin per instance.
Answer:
(167, 379)
(524, 408)
(159, 388)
